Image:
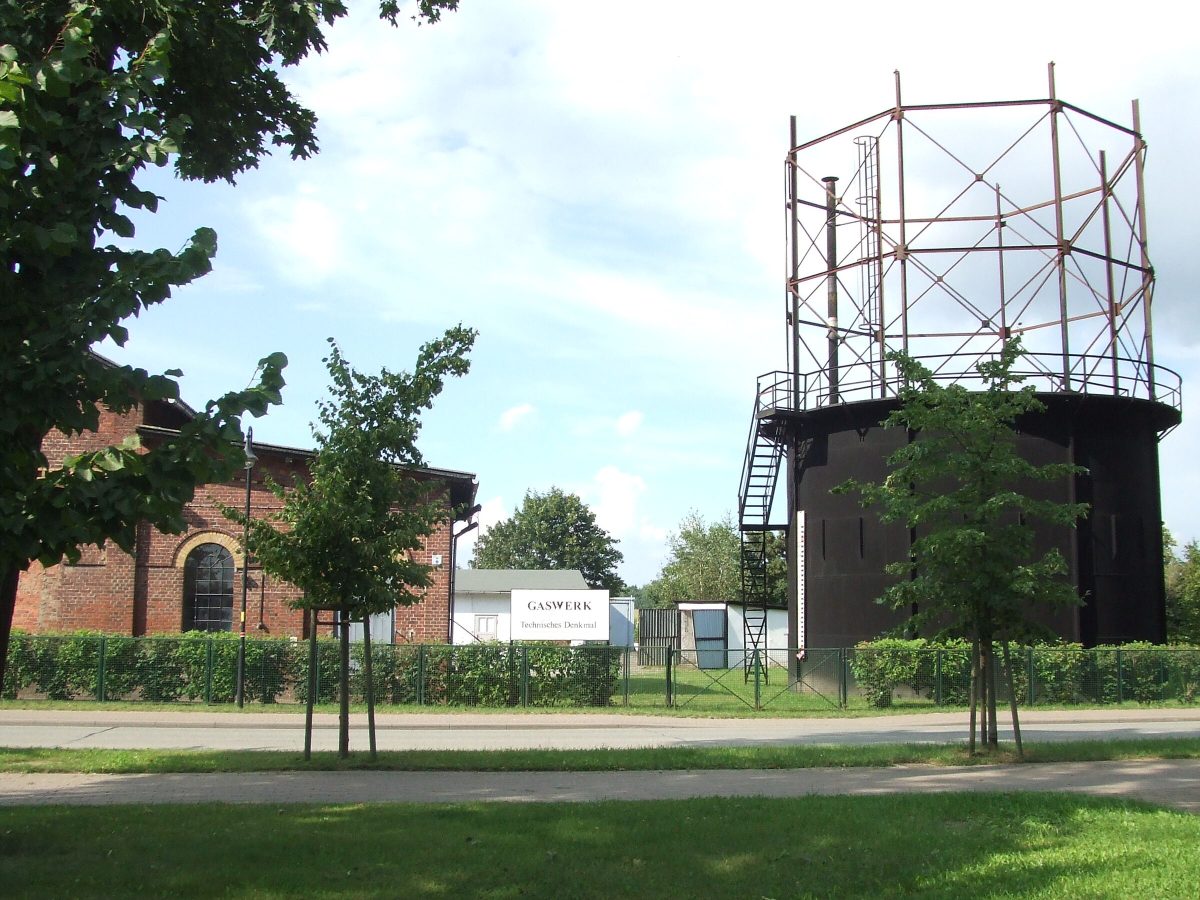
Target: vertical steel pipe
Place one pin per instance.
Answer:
(831, 285)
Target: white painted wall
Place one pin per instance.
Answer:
(777, 636)
(468, 606)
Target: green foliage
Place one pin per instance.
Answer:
(1182, 578)
(202, 666)
(703, 563)
(881, 666)
(1061, 673)
(91, 94)
(554, 530)
(345, 537)
(327, 671)
(960, 483)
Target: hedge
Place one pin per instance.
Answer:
(1042, 673)
(202, 667)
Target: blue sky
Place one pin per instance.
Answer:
(597, 188)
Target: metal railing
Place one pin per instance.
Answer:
(1089, 374)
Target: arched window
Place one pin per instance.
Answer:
(208, 589)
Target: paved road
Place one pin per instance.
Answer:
(1173, 783)
(474, 731)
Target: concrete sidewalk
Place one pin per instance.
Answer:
(1173, 783)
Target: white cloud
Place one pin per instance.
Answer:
(616, 496)
(510, 418)
(629, 422)
(303, 232)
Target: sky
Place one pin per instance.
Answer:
(597, 187)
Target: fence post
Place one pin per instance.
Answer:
(1120, 679)
(757, 678)
(843, 682)
(421, 675)
(937, 677)
(627, 663)
(100, 673)
(1029, 670)
(208, 670)
(262, 670)
(670, 702)
(524, 676)
(316, 682)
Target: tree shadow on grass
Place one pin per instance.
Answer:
(950, 845)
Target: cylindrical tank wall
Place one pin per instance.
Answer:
(1114, 556)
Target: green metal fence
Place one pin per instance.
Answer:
(783, 679)
(202, 667)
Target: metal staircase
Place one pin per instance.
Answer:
(760, 476)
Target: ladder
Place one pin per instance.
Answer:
(760, 476)
(872, 271)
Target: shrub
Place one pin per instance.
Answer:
(881, 666)
(20, 663)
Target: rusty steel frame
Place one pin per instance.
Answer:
(1057, 253)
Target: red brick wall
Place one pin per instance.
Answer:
(142, 593)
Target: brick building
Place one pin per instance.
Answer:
(177, 582)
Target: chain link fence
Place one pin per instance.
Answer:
(893, 673)
(201, 667)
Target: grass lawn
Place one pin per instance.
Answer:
(21, 760)
(949, 845)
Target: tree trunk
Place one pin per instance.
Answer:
(311, 617)
(9, 579)
(981, 678)
(344, 687)
(1012, 700)
(370, 688)
(988, 666)
(974, 694)
(993, 736)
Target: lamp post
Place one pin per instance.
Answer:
(251, 459)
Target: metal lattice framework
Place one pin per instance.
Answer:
(943, 229)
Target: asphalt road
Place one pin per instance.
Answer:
(498, 731)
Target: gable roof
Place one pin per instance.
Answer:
(499, 581)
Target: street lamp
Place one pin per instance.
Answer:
(251, 459)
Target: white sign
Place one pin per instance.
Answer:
(559, 615)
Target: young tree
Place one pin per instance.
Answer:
(344, 538)
(1183, 591)
(960, 483)
(554, 530)
(91, 94)
(703, 563)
